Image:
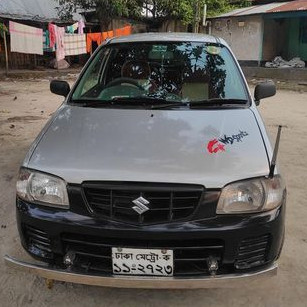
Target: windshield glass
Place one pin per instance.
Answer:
(176, 72)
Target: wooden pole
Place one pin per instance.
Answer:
(6, 54)
(197, 17)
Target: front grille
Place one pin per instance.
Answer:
(252, 252)
(38, 242)
(93, 254)
(166, 202)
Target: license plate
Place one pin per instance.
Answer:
(131, 261)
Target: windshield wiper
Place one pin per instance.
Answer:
(159, 103)
(217, 102)
(152, 102)
(170, 105)
(138, 100)
(203, 103)
(91, 103)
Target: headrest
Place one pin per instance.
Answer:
(136, 70)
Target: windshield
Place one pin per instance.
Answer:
(172, 72)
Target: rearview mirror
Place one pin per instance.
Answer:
(264, 90)
(59, 87)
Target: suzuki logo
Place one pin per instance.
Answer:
(140, 205)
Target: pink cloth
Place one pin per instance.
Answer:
(81, 26)
(52, 34)
(60, 51)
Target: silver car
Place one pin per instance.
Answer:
(155, 172)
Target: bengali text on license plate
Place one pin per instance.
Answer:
(131, 261)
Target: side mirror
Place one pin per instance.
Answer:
(264, 90)
(58, 87)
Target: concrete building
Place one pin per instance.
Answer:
(261, 32)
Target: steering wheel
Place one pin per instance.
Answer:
(172, 96)
(122, 80)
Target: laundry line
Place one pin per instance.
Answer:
(63, 41)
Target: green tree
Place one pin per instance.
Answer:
(216, 7)
(172, 9)
(3, 29)
(105, 10)
(187, 11)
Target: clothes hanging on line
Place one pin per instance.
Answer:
(100, 37)
(52, 38)
(26, 39)
(118, 32)
(46, 42)
(107, 34)
(81, 26)
(93, 37)
(74, 44)
(71, 29)
(127, 30)
(60, 51)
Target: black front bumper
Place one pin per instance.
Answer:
(240, 243)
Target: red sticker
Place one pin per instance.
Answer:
(215, 146)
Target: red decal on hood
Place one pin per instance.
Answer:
(215, 146)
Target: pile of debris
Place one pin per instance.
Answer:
(279, 62)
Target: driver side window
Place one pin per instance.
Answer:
(92, 76)
(115, 64)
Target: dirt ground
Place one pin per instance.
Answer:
(24, 108)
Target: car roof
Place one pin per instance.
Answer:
(167, 37)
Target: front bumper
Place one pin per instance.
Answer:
(220, 281)
(234, 240)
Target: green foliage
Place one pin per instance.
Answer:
(242, 3)
(188, 11)
(217, 7)
(106, 10)
(3, 29)
(172, 9)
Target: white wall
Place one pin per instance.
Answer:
(245, 39)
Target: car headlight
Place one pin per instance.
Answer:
(250, 196)
(41, 188)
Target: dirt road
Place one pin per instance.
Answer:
(25, 107)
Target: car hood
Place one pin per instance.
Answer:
(208, 147)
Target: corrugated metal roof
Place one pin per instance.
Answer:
(299, 5)
(275, 7)
(41, 10)
(236, 12)
(262, 9)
